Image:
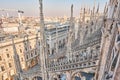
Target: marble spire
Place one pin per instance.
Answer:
(97, 9)
(72, 11)
(70, 34)
(16, 60)
(1, 28)
(43, 49)
(83, 19)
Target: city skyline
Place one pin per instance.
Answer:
(52, 8)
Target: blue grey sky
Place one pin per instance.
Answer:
(51, 7)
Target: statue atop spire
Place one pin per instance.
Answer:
(20, 27)
(41, 12)
(1, 23)
(97, 9)
(1, 29)
(83, 15)
(72, 23)
(71, 34)
(105, 8)
(72, 11)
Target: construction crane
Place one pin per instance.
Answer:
(18, 11)
(19, 15)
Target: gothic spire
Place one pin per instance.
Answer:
(83, 15)
(43, 50)
(72, 21)
(97, 9)
(41, 13)
(70, 34)
(105, 8)
(72, 11)
(16, 59)
(94, 7)
(1, 28)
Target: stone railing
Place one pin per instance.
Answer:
(91, 43)
(75, 63)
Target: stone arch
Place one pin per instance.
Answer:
(37, 78)
(82, 74)
(26, 79)
(58, 76)
(54, 76)
(75, 72)
(77, 76)
(63, 75)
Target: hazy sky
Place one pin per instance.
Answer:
(51, 7)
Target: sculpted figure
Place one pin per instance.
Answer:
(117, 16)
(110, 11)
(0, 23)
(117, 43)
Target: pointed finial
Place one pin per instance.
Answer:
(91, 16)
(16, 58)
(15, 52)
(71, 10)
(1, 22)
(105, 8)
(83, 15)
(89, 10)
(97, 9)
(41, 12)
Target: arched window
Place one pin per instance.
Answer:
(118, 38)
(10, 65)
(52, 51)
(2, 68)
(0, 58)
(97, 47)
(22, 59)
(26, 48)
(8, 55)
(20, 50)
(35, 52)
(91, 30)
(31, 54)
(27, 56)
(6, 49)
(91, 51)
(92, 23)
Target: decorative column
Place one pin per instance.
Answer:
(71, 35)
(43, 46)
(16, 61)
(20, 20)
(56, 40)
(50, 48)
(83, 18)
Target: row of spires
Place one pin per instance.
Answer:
(88, 9)
(43, 36)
